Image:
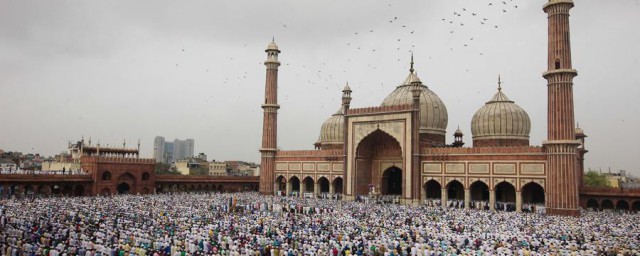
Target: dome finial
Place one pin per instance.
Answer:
(499, 83)
(411, 69)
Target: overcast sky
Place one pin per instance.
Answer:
(114, 70)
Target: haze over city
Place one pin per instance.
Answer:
(194, 70)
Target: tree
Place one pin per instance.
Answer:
(595, 179)
(163, 168)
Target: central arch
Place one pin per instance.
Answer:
(375, 149)
(123, 188)
(391, 183)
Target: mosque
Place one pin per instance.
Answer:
(399, 148)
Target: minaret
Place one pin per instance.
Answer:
(561, 145)
(415, 138)
(346, 103)
(270, 121)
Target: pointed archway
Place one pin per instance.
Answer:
(479, 191)
(505, 192)
(622, 205)
(337, 185)
(532, 193)
(391, 183)
(323, 184)
(433, 190)
(309, 185)
(295, 184)
(123, 188)
(281, 184)
(455, 190)
(593, 204)
(376, 146)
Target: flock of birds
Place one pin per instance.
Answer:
(465, 27)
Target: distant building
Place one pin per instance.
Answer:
(241, 168)
(616, 179)
(217, 168)
(202, 156)
(192, 166)
(168, 152)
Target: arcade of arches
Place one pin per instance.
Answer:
(479, 191)
(309, 186)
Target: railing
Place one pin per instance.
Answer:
(35, 172)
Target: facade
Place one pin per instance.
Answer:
(192, 166)
(115, 170)
(398, 148)
(217, 168)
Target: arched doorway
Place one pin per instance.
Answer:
(67, 190)
(433, 190)
(391, 183)
(607, 204)
(533, 193)
(44, 190)
(337, 185)
(479, 191)
(78, 190)
(281, 184)
(505, 192)
(622, 205)
(56, 190)
(593, 204)
(28, 190)
(123, 188)
(129, 180)
(308, 185)
(635, 206)
(378, 145)
(295, 184)
(455, 190)
(323, 182)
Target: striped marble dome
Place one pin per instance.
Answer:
(500, 118)
(332, 130)
(433, 113)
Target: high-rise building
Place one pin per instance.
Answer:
(159, 149)
(168, 152)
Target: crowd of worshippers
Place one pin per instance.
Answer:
(251, 224)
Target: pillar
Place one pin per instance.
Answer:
(332, 190)
(288, 188)
(303, 188)
(492, 200)
(518, 201)
(316, 189)
(276, 185)
(443, 196)
(423, 194)
(467, 198)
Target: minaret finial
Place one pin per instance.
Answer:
(499, 83)
(411, 69)
(273, 39)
